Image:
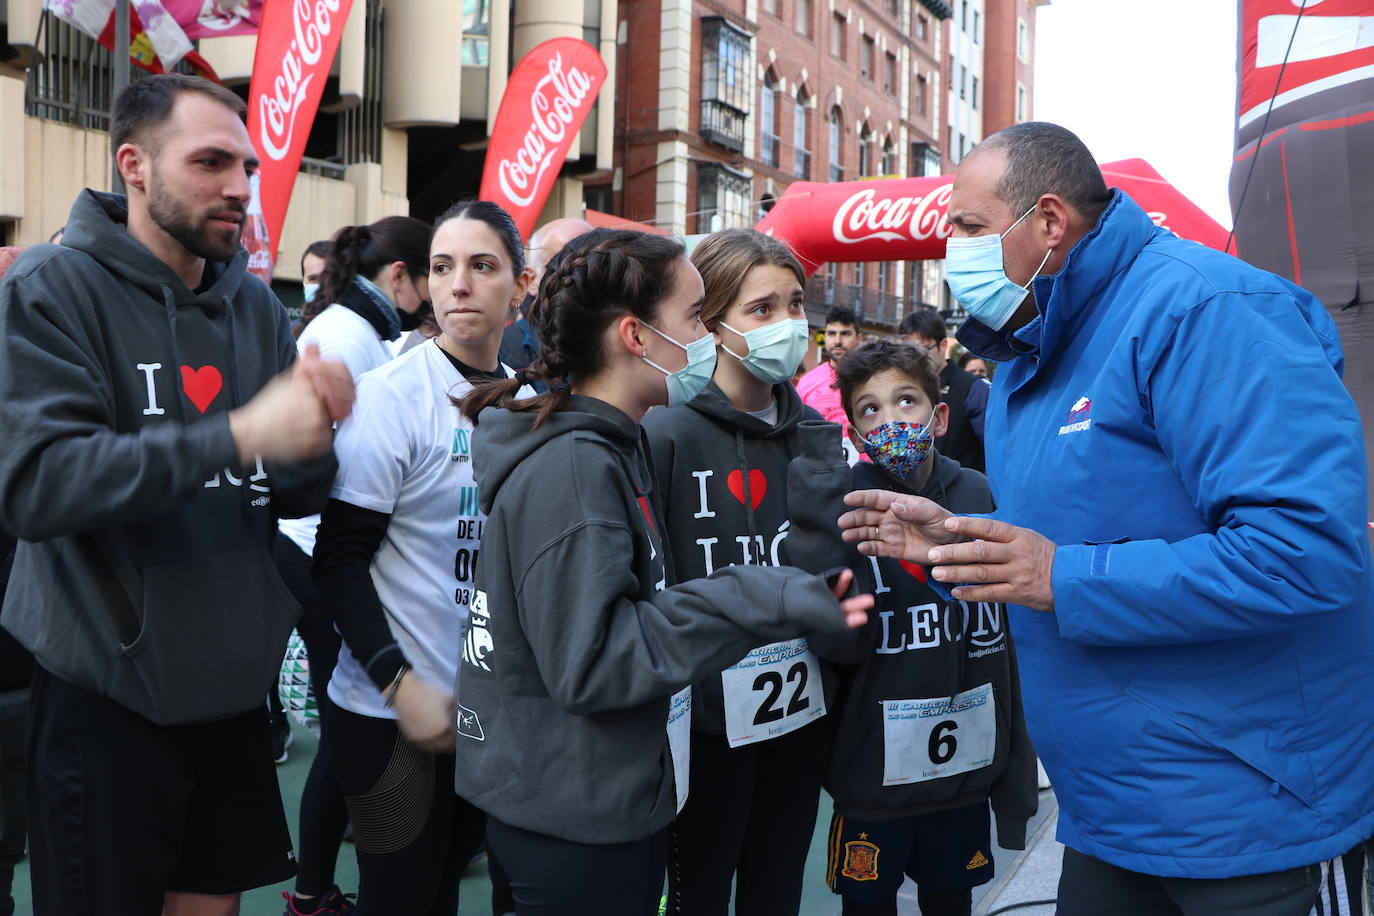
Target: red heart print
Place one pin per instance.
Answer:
(758, 485)
(202, 385)
(914, 570)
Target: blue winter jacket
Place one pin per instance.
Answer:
(1174, 419)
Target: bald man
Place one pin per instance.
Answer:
(520, 344)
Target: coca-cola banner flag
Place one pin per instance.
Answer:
(296, 46)
(906, 219)
(548, 97)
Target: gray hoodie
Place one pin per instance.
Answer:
(578, 636)
(144, 570)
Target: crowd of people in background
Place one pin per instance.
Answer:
(595, 575)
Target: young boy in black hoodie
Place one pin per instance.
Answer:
(928, 726)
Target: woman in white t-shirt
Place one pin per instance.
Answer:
(372, 285)
(395, 560)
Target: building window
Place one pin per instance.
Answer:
(801, 130)
(894, 8)
(837, 35)
(976, 24)
(803, 17)
(725, 91)
(861, 275)
(770, 6)
(963, 81)
(963, 15)
(836, 133)
(867, 51)
(890, 73)
(865, 154)
(921, 89)
(925, 160)
(722, 199)
(770, 141)
(889, 166)
(1021, 113)
(973, 94)
(922, 26)
(476, 32)
(1022, 40)
(884, 277)
(963, 146)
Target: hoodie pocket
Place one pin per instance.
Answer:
(211, 641)
(1201, 718)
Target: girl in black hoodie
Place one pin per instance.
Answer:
(723, 462)
(572, 700)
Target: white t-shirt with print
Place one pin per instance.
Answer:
(406, 451)
(341, 334)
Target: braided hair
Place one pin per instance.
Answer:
(363, 251)
(598, 278)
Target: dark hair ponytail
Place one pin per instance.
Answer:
(596, 279)
(362, 251)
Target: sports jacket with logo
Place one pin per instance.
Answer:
(1174, 419)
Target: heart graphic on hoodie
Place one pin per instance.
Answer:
(201, 385)
(758, 485)
(914, 570)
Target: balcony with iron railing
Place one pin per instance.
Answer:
(874, 307)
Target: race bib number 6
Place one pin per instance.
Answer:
(773, 690)
(930, 739)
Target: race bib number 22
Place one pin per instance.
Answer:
(773, 690)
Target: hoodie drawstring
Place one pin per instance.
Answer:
(169, 303)
(754, 538)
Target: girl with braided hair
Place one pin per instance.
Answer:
(573, 692)
(397, 548)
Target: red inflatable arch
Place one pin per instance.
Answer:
(904, 219)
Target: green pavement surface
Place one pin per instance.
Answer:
(476, 890)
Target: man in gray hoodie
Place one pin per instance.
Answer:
(155, 428)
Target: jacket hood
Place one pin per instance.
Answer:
(1121, 233)
(713, 403)
(98, 226)
(504, 438)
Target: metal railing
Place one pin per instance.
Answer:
(72, 79)
(873, 306)
(360, 127)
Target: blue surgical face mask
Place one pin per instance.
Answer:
(775, 350)
(310, 289)
(978, 278)
(689, 381)
(899, 447)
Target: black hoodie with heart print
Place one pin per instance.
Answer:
(723, 476)
(144, 570)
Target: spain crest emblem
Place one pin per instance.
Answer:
(860, 860)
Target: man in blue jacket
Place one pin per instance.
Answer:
(1180, 484)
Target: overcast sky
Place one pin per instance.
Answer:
(1152, 80)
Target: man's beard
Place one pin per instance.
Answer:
(176, 220)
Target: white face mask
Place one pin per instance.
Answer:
(310, 290)
(689, 381)
(775, 350)
(976, 274)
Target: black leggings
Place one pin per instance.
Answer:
(553, 877)
(323, 813)
(750, 817)
(414, 836)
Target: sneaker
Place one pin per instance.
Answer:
(331, 904)
(281, 738)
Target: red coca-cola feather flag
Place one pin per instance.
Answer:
(547, 99)
(296, 46)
